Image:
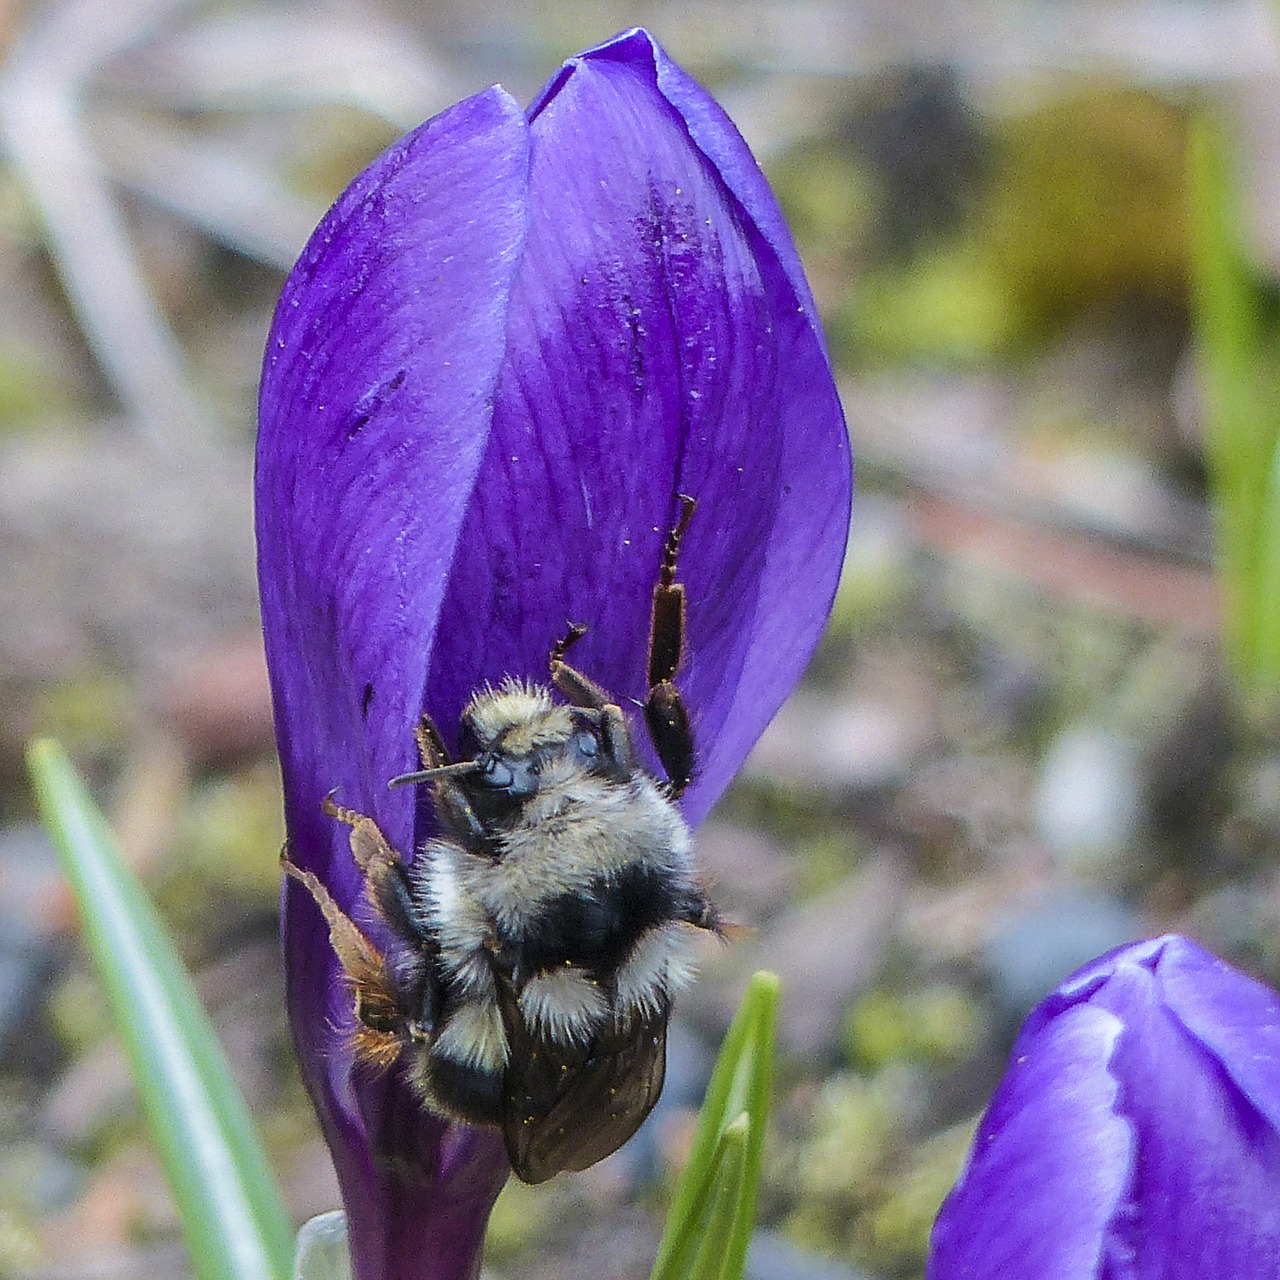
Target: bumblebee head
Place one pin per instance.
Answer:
(516, 742)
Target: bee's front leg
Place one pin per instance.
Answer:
(452, 804)
(386, 877)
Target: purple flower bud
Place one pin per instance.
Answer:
(1135, 1135)
(511, 344)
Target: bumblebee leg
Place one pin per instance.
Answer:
(386, 879)
(617, 742)
(703, 915)
(377, 1038)
(581, 690)
(664, 711)
(450, 797)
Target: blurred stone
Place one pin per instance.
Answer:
(244, 996)
(166, 1260)
(29, 872)
(1089, 802)
(218, 701)
(30, 888)
(118, 558)
(824, 951)
(307, 1178)
(966, 801)
(1038, 945)
(773, 1257)
(92, 1091)
(125, 1196)
(864, 737)
(619, 1243)
(954, 922)
(748, 874)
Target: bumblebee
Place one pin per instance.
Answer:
(545, 929)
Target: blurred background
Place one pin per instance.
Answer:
(1020, 745)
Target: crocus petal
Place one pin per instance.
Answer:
(372, 402)
(1053, 1134)
(658, 344)
(508, 349)
(1165, 1147)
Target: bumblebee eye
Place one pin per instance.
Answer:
(585, 746)
(496, 774)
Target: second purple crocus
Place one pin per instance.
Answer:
(1136, 1134)
(509, 347)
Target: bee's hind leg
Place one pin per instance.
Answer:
(666, 716)
(580, 689)
(377, 1036)
(665, 713)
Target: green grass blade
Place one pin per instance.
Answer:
(740, 1088)
(726, 1204)
(236, 1224)
(1234, 353)
(712, 1213)
(1267, 580)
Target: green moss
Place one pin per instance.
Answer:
(344, 141)
(1082, 214)
(77, 1011)
(825, 862)
(519, 1224)
(89, 713)
(897, 1228)
(937, 1024)
(827, 198)
(1088, 207)
(31, 392)
(222, 870)
(19, 1242)
(871, 587)
(948, 305)
(233, 829)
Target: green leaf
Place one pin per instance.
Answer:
(1266, 591)
(1236, 351)
(725, 1205)
(236, 1225)
(715, 1197)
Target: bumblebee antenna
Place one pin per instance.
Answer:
(442, 771)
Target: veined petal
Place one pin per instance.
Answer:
(1202, 1202)
(1190, 1077)
(1049, 1163)
(657, 346)
(375, 409)
(374, 415)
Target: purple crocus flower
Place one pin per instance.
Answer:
(508, 348)
(1136, 1133)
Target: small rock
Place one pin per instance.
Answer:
(772, 1257)
(1037, 946)
(824, 951)
(218, 702)
(1089, 803)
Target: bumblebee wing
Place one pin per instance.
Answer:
(564, 1108)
